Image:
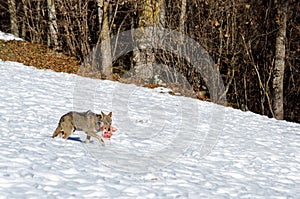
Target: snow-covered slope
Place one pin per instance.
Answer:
(8, 36)
(165, 146)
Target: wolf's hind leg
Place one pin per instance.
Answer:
(68, 129)
(67, 134)
(58, 131)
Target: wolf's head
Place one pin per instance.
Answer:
(105, 120)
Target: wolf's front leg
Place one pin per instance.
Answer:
(88, 138)
(95, 135)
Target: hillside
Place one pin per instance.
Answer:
(165, 146)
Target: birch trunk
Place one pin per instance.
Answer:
(53, 40)
(279, 60)
(182, 16)
(106, 59)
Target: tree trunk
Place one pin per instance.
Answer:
(24, 20)
(106, 59)
(53, 40)
(182, 16)
(152, 13)
(13, 17)
(100, 12)
(279, 59)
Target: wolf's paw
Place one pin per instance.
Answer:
(102, 142)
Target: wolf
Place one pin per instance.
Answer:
(89, 122)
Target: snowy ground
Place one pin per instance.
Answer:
(8, 36)
(165, 146)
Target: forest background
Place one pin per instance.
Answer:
(254, 44)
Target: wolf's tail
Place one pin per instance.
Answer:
(57, 131)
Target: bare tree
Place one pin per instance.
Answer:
(151, 14)
(24, 19)
(13, 17)
(279, 59)
(182, 16)
(53, 39)
(106, 59)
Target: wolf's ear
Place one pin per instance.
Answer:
(110, 114)
(103, 114)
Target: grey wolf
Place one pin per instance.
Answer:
(89, 122)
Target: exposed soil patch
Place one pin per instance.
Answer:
(37, 55)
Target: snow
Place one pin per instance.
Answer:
(8, 36)
(165, 146)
